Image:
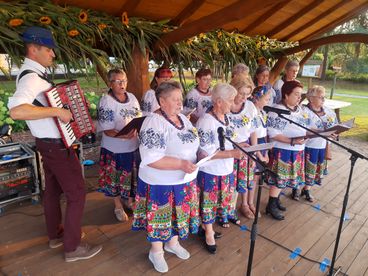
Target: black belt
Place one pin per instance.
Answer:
(51, 140)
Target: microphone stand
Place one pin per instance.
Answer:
(254, 232)
(353, 158)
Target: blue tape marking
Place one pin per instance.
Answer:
(88, 162)
(295, 253)
(243, 228)
(317, 207)
(324, 264)
(346, 217)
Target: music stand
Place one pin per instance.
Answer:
(264, 170)
(354, 156)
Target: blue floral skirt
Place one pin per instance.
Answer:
(244, 174)
(165, 211)
(289, 166)
(217, 193)
(315, 166)
(117, 173)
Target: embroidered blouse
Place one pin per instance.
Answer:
(276, 125)
(159, 138)
(115, 115)
(195, 99)
(207, 127)
(149, 102)
(320, 123)
(244, 121)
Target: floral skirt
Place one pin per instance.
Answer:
(244, 174)
(165, 211)
(315, 166)
(289, 166)
(117, 173)
(217, 194)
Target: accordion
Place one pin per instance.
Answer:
(69, 95)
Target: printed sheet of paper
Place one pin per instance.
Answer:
(200, 163)
(259, 147)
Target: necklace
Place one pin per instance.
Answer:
(226, 123)
(240, 110)
(291, 109)
(202, 92)
(172, 122)
(315, 111)
(116, 98)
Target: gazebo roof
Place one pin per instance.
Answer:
(287, 20)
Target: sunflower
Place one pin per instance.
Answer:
(45, 20)
(125, 19)
(73, 33)
(165, 30)
(102, 26)
(83, 16)
(15, 22)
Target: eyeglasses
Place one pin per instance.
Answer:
(120, 82)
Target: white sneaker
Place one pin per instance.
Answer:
(178, 250)
(158, 261)
(120, 214)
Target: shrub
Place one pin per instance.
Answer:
(4, 113)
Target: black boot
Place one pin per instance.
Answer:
(295, 194)
(307, 195)
(279, 205)
(273, 209)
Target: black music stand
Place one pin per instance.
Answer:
(254, 231)
(353, 158)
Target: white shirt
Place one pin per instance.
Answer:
(115, 115)
(159, 138)
(29, 88)
(276, 125)
(149, 102)
(209, 143)
(319, 123)
(195, 99)
(243, 121)
(277, 87)
(260, 124)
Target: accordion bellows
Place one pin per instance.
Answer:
(69, 95)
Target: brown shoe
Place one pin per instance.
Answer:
(55, 243)
(83, 252)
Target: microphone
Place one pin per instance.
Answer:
(221, 138)
(276, 110)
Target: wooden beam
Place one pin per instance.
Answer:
(137, 73)
(316, 19)
(186, 12)
(129, 6)
(277, 68)
(266, 15)
(236, 11)
(307, 56)
(346, 17)
(294, 18)
(340, 38)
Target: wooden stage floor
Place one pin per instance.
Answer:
(24, 250)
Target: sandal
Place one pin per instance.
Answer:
(253, 209)
(246, 211)
(222, 223)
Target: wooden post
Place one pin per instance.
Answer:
(137, 73)
(277, 68)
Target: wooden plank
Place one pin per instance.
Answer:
(294, 18)
(265, 16)
(346, 17)
(183, 16)
(318, 18)
(233, 12)
(129, 6)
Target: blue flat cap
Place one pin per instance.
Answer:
(40, 36)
